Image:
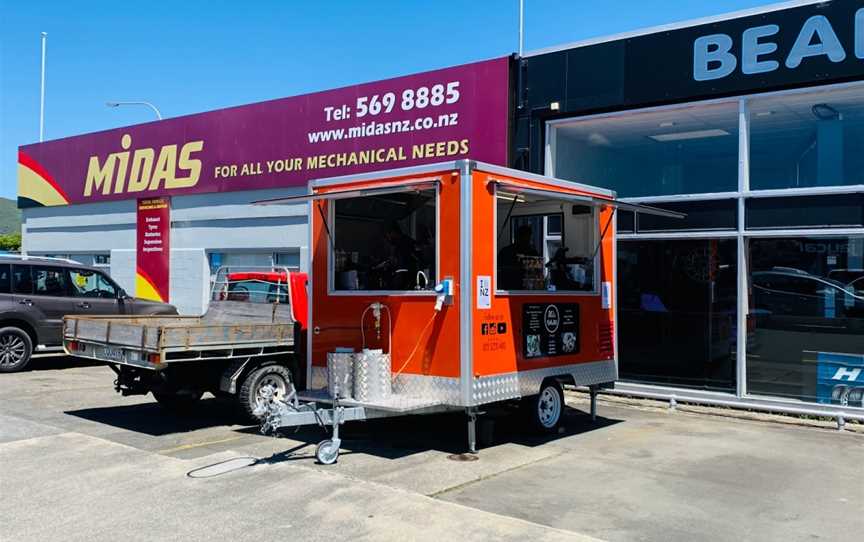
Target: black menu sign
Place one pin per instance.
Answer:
(550, 330)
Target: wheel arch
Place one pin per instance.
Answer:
(24, 326)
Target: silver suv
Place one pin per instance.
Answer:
(35, 295)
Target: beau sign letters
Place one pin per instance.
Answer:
(713, 56)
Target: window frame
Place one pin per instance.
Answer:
(331, 256)
(595, 292)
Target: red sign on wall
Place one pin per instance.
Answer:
(153, 249)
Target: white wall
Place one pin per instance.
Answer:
(220, 222)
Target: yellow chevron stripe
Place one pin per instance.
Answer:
(32, 186)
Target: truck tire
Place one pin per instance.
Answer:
(277, 376)
(16, 349)
(178, 402)
(545, 410)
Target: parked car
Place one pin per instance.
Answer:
(803, 300)
(35, 295)
(847, 276)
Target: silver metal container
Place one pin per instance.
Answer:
(372, 373)
(340, 374)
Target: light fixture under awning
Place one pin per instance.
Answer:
(514, 188)
(377, 190)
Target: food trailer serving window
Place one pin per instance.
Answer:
(545, 243)
(385, 242)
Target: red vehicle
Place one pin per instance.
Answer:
(248, 340)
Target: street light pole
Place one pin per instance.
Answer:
(42, 91)
(148, 104)
(521, 27)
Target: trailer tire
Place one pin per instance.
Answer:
(546, 409)
(327, 452)
(269, 375)
(16, 349)
(178, 402)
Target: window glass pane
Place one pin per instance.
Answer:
(701, 215)
(5, 280)
(677, 312)
(553, 225)
(50, 281)
(385, 242)
(86, 283)
(626, 221)
(805, 335)
(257, 287)
(842, 210)
(812, 139)
(675, 151)
(22, 279)
(529, 260)
(288, 259)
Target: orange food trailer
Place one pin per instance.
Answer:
(453, 286)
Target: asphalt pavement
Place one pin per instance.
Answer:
(79, 462)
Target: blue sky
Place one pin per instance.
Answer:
(193, 55)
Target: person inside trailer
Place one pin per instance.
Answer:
(402, 258)
(511, 271)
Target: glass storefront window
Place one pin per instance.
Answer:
(654, 153)
(385, 242)
(805, 335)
(677, 312)
(805, 140)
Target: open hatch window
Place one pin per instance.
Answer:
(545, 244)
(385, 242)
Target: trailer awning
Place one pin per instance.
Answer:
(516, 189)
(377, 190)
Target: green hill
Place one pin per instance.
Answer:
(10, 217)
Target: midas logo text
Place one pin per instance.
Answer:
(145, 170)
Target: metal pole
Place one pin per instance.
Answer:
(521, 27)
(42, 91)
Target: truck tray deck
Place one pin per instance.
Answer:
(154, 341)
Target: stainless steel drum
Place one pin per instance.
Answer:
(372, 376)
(340, 374)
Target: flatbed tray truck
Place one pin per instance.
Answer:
(246, 340)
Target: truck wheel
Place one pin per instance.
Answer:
(277, 377)
(545, 409)
(16, 347)
(178, 402)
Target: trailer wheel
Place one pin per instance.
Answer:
(546, 408)
(327, 452)
(277, 377)
(178, 402)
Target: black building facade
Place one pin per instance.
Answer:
(753, 125)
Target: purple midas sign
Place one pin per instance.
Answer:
(430, 117)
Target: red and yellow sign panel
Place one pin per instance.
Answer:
(153, 249)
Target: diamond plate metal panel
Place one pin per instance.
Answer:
(319, 378)
(372, 376)
(506, 386)
(438, 388)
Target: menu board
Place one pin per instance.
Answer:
(550, 329)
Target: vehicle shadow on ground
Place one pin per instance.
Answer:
(55, 362)
(394, 438)
(152, 419)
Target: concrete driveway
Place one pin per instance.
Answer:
(82, 463)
